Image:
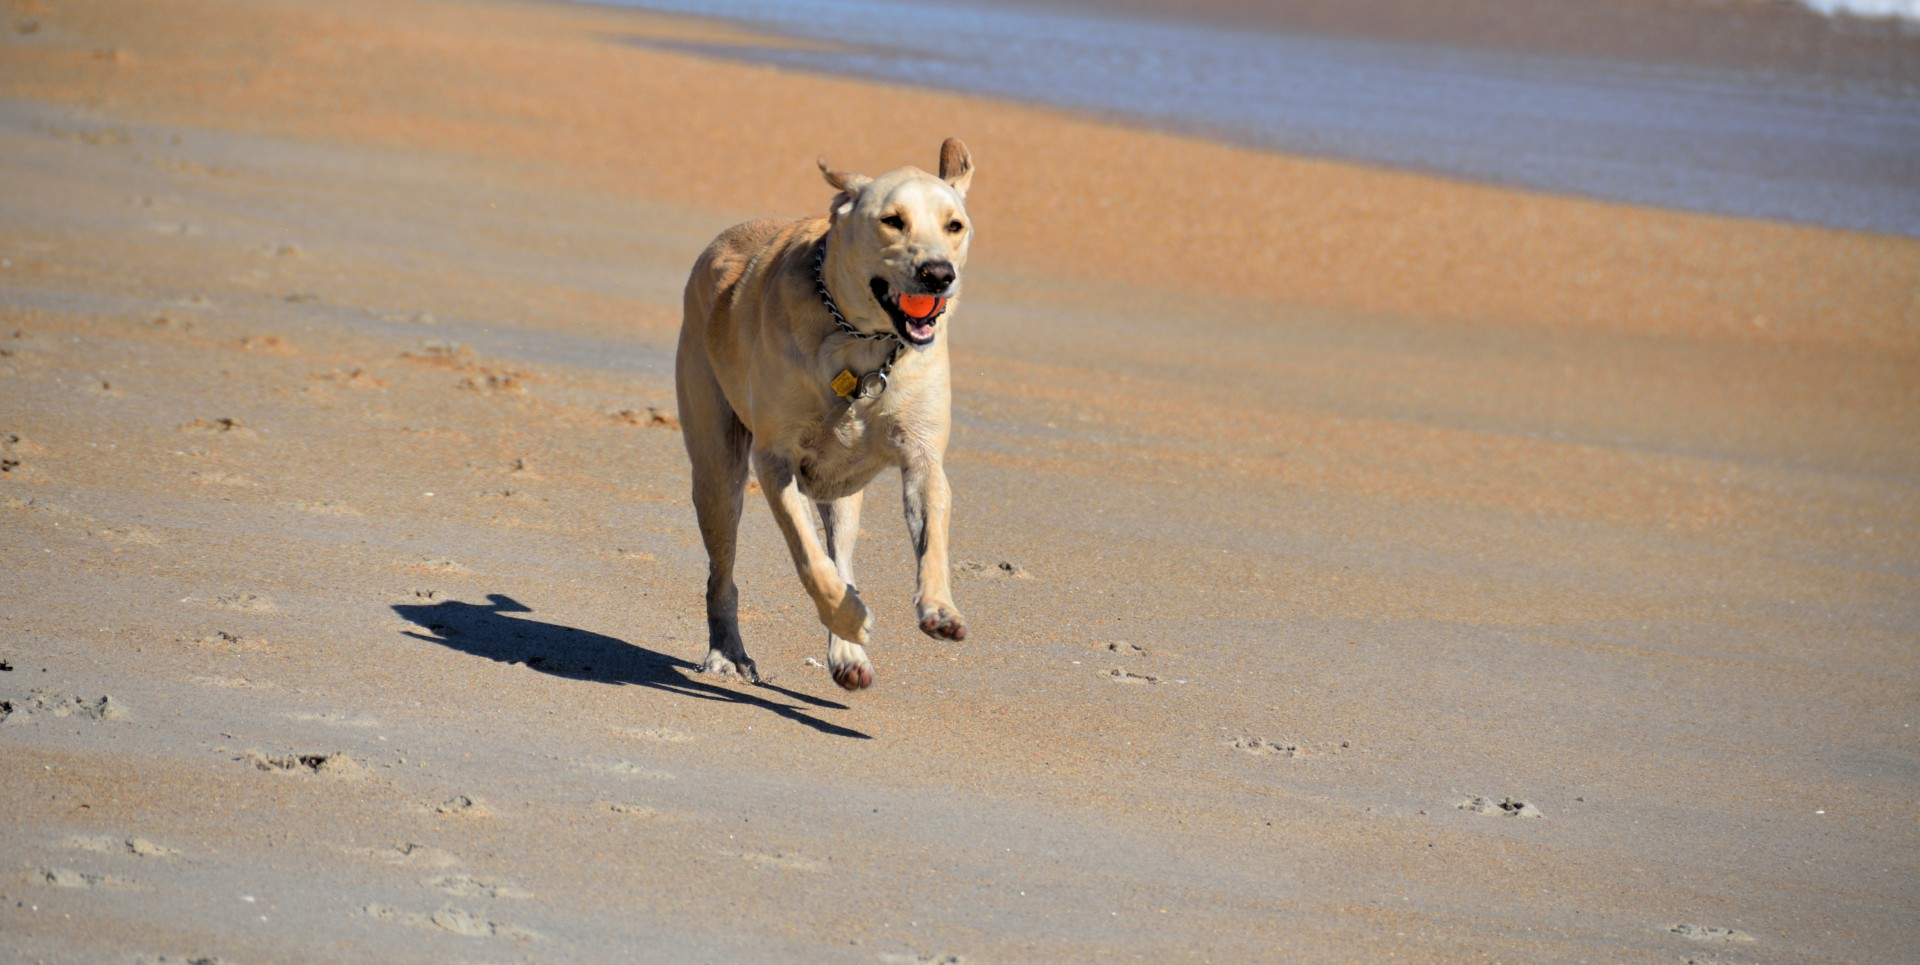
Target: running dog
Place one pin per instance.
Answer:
(817, 346)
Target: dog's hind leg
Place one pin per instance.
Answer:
(846, 660)
(717, 445)
(717, 494)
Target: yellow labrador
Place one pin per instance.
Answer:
(817, 345)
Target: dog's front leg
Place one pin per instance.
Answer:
(839, 604)
(924, 489)
(846, 660)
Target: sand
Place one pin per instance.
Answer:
(1359, 565)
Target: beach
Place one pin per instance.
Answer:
(1360, 564)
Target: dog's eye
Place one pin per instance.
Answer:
(895, 222)
(955, 227)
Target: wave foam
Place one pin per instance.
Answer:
(1872, 9)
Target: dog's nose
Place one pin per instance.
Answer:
(935, 275)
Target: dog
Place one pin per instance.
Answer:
(819, 347)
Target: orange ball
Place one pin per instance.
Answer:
(920, 306)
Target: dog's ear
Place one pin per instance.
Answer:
(849, 185)
(956, 165)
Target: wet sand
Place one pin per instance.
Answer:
(1360, 565)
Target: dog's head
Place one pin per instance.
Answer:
(900, 241)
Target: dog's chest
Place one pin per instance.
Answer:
(844, 455)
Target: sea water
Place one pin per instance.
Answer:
(1731, 142)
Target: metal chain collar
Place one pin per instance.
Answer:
(848, 386)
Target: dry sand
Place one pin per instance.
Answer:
(1361, 565)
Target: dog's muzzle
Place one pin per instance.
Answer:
(916, 315)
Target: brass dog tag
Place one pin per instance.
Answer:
(844, 384)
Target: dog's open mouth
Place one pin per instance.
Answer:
(914, 316)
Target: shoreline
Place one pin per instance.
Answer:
(1748, 141)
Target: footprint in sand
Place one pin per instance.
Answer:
(338, 720)
(327, 508)
(69, 878)
(782, 861)
(625, 769)
(661, 735)
(336, 766)
(225, 427)
(467, 886)
(456, 920)
(495, 381)
(1708, 933)
(443, 354)
(232, 683)
(12, 457)
(214, 477)
(50, 703)
(245, 603)
(226, 642)
(134, 535)
(463, 806)
(353, 378)
(1004, 568)
(171, 323)
(115, 844)
(270, 344)
(1121, 675)
(1261, 747)
(440, 565)
(1126, 649)
(653, 418)
(1505, 807)
(236, 602)
(413, 854)
(633, 810)
(98, 136)
(410, 318)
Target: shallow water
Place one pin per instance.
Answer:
(1730, 142)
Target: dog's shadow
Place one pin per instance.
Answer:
(563, 651)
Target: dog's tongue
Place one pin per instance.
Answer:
(920, 306)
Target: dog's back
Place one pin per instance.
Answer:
(717, 273)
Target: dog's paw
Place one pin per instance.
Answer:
(849, 664)
(852, 620)
(742, 666)
(943, 623)
(857, 676)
